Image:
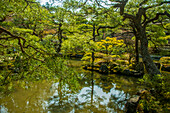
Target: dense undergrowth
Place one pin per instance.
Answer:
(156, 97)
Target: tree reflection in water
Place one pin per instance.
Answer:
(98, 93)
(73, 91)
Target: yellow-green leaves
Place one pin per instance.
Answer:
(22, 30)
(110, 45)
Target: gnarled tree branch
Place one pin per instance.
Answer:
(157, 17)
(104, 27)
(22, 45)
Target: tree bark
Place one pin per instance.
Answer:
(147, 60)
(140, 34)
(59, 38)
(136, 50)
(136, 45)
(94, 28)
(139, 25)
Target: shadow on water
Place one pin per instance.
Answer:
(90, 92)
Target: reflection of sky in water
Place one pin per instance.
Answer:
(84, 96)
(3, 109)
(100, 94)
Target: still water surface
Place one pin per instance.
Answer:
(96, 93)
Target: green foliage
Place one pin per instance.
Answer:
(59, 69)
(156, 99)
(111, 46)
(77, 44)
(157, 36)
(148, 103)
(21, 31)
(28, 70)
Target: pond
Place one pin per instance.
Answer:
(93, 93)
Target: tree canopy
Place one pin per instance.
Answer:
(63, 27)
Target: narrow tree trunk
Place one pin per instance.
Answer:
(136, 44)
(93, 50)
(147, 60)
(59, 38)
(137, 50)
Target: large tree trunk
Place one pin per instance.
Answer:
(136, 45)
(147, 60)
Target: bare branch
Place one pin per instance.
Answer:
(104, 27)
(9, 33)
(71, 32)
(122, 6)
(157, 17)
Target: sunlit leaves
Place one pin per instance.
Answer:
(111, 45)
(21, 30)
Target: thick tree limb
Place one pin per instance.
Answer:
(71, 32)
(30, 1)
(122, 6)
(125, 16)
